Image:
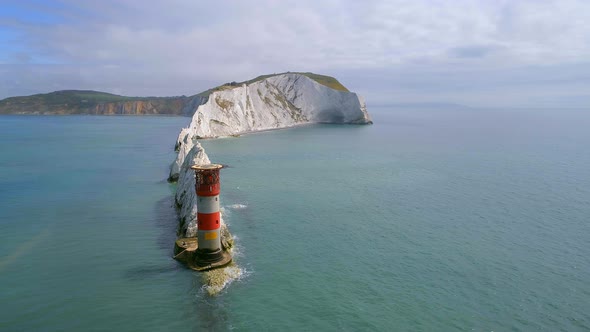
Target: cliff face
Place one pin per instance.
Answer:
(172, 106)
(265, 102)
(99, 103)
(276, 102)
(272, 102)
(279, 101)
(128, 107)
(190, 153)
(189, 107)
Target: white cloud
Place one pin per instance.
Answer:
(137, 47)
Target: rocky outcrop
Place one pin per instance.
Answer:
(190, 153)
(170, 106)
(192, 103)
(128, 107)
(276, 102)
(279, 101)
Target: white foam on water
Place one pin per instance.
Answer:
(236, 251)
(238, 206)
(217, 280)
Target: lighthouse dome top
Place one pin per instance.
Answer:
(206, 167)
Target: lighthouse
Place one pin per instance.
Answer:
(207, 251)
(207, 186)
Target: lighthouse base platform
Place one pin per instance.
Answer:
(186, 251)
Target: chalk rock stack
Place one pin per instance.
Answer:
(279, 101)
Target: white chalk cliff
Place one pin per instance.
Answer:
(190, 153)
(279, 101)
(276, 102)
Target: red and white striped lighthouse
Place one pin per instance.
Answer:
(207, 186)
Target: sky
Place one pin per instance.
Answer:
(492, 53)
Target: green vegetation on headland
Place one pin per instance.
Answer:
(328, 81)
(91, 102)
(100, 103)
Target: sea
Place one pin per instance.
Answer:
(434, 218)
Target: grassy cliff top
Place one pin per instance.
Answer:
(75, 96)
(79, 102)
(89, 102)
(328, 81)
(68, 97)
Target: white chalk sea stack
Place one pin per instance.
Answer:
(269, 102)
(279, 101)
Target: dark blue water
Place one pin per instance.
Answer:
(427, 220)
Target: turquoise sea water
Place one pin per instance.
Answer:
(431, 219)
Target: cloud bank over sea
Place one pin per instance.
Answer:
(529, 53)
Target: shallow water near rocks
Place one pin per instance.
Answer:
(431, 219)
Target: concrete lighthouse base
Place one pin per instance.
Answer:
(186, 250)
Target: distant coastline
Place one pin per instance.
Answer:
(89, 102)
(97, 115)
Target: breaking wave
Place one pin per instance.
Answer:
(238, 206)
(215, 281)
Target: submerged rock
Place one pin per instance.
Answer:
(216, 280)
